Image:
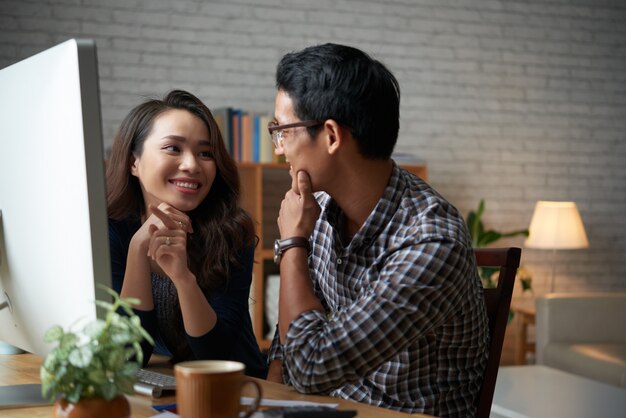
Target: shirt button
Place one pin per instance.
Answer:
(339, 261)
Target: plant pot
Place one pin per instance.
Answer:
(117, 407)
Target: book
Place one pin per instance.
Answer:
(236, 134)
(246, 137)
(223, 117)
(266, 148)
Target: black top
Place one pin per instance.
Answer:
(231, 338)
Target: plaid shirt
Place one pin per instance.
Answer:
(405, 325)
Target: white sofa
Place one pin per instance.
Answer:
(584, 334)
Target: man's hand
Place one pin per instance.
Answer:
(299, 209)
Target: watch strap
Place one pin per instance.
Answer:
(285, 244)
(280, 246)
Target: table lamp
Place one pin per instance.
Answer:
(556, 226)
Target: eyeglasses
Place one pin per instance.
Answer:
(276, 130)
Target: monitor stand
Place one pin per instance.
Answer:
(6, 348)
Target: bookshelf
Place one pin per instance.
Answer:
(263, 186)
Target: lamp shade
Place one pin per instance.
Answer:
(556, 226)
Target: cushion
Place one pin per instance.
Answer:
(602, 362)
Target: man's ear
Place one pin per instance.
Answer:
(335, 135)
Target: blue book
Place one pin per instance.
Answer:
(256, 137)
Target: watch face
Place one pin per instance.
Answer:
(277, 251)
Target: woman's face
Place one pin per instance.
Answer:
(176, 165)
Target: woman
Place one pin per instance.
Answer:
(179, 241)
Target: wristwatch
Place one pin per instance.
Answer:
(282, 245)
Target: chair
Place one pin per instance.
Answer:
(498, 302)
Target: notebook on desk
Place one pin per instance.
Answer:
(16, 396)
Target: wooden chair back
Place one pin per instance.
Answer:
(498, 303)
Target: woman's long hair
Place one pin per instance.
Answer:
(221, 227)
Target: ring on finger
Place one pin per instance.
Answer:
(167, 241)
(181, 224)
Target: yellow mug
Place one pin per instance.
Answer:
(212, 388)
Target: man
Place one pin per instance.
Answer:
(385, 306)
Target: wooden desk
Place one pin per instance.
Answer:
(525, 317)
(24, 368)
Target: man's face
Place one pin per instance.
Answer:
(300, 150)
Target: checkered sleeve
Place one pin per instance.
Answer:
(418, 287)
(276, 350)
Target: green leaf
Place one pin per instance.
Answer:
(106, 305)
(115, 357)
(108, 390)
(51, 361)
(129, 369)
(135, 321)
(526, 284)
(131, 301)
(489, 237)
(94, 328)
(486, 274)
(61, 372)
(138, 352)
(146, 336)
(125, 384)
(128, 309)
(471, 221)
(481, 208)
(97, 376)
(474, 226)
(110, 291)
(482, 238)
(80, 357)
(69, 339)
(74, 395)
(46, 379)
(122, 338)
(53, 334)
(119, 322)
(523, 232)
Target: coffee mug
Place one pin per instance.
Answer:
(212, 388)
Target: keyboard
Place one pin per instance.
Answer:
(154, 384)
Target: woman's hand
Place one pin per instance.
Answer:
(137, 282)
(168, 247)
(143, 235)
(168, 241)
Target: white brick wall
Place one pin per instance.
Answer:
(511, 101)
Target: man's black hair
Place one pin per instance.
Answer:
(345, 84)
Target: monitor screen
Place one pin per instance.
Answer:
(53, 222)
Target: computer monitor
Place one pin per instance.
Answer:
(53, 222)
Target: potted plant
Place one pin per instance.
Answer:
(89, 371)
(482, 238)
